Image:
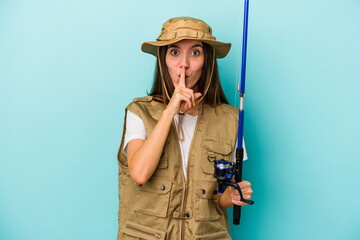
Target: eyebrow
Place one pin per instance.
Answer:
(176, 46)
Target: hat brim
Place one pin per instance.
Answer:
(221, 48)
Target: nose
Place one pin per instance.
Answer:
(184, 61)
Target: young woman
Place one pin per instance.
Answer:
(166, 185)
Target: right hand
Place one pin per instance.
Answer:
(182, 97)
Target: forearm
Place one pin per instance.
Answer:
(225, 199)
(145, 160)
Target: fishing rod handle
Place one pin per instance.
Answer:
(238, 178)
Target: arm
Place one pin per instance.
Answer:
(144, 155)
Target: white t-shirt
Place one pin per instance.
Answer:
(135, 129)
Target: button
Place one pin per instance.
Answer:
(203, 191)
(187, 215)
(215, 192)
(162, 188)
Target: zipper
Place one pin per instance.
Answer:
(186, 182)
(181, 235)
(152, 234)
(214, 238)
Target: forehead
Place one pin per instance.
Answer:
(186, 43)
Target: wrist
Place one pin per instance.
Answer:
(225, 199)
(168, 113)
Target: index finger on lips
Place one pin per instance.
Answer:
(182, 76)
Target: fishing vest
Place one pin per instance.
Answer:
(167, 206)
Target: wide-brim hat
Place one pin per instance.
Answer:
(181, 28)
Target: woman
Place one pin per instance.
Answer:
(166, 184)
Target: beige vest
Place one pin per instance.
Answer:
(167, 206)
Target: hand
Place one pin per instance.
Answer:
(246, 190)
(182, 97)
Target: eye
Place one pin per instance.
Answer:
(195, 52)
(174, 52)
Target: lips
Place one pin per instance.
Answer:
(186, 77)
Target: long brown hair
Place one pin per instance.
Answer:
(215, 94)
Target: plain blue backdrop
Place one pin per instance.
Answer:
(68, 69)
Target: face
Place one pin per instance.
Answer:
(188, 53)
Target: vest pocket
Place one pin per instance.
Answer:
(216, 148)
(136, 231)
(206, 201)
(153, 197)
(214, 236)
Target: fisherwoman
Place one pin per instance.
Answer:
(166, 185)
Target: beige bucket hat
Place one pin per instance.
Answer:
(180, 28)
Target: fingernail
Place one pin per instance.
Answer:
(181, 66)
(194, 104)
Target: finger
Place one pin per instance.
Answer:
(183, 105)
(235, 197)
(181, 91)
(188, 102)
(186, 99)
(192, 98)
(244, 191)
(188, 93)
(244, 184)
(191, 93)
(247, 196)
(247, 191)
(181, 97)
(197, 95)
(182, 76)
(239, 203)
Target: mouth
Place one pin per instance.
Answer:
(186, 77)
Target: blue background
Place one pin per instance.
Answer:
(68, 69)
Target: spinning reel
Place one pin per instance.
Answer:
(223, 172)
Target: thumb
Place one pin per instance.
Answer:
(197, 95)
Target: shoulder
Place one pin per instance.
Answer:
(143, 99)
(223, 110)
(228, 108)
(146, 107)
(137, 102)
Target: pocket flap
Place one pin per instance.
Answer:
(218, 236)
(139, 231)
(159, 185)
(205, 189)
(218, 146)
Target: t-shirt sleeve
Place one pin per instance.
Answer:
(245, 154)
(135, 129)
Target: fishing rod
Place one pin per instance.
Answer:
(240, 147)
(225, 170)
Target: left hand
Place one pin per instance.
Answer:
(246, 190)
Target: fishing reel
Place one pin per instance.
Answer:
(223, 172)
